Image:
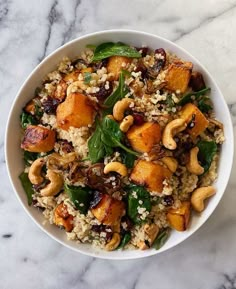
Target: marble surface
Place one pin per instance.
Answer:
(30, 30)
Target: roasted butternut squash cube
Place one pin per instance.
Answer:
(143, 137)
(195, 119)
(109, 210)
(116, 64)
(150, 175)
(30, 107)
(77, 111)
(62, 218)
(178, 76)
(179, 218)
(71, 77)
(38, 139)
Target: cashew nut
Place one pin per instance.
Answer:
(171, 163)
(171, 129)
(113, 243)
(35, 171)
(126, 123)
(55, 185)
(75, 86)
(199, 195)
(116, 167)
(120, 108)
(193, 165)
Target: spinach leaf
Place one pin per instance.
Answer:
(80, 196)
(29, 157)
(128, 159)
(118, 94)
(169, 101)
(27, 119)
(207, 150)
(161, 239)
(87, 77)
(108, 49)
(188, 97)
(137, 195)
(26, 184)
(125, 240)
(203, 104)
(106, 137)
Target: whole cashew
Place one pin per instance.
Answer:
(75, 86)
(116, 167)
(56, 161)
(120, 108)
(193, 165)
(171, 163)
(199, 195)
(55, 185)
(171, 129)
(35, 171)
(126, 123)
(114, 242)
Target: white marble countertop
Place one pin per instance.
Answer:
(29, 31)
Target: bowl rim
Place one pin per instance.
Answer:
(104, 32)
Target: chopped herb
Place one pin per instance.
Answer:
(26, 184)
(87, 77)
(27, 119)
(125, 240)
(128, 159)
(29, 157)
(188, 97)
(108, 49)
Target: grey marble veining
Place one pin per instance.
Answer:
(29, 31)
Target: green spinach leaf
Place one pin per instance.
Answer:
(128, 159)
(138, 201)
(188, 97)
(203, 104)
(80, 196)
(29, 157)
(125, 240)
(108, 49)
(26, 184)
(106, 137)
(161, 239)
(207, 150)
(118, 94)
(27, 119)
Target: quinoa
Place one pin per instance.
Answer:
(154, 181)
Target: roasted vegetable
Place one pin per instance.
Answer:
(108, 210)
(150, 175)
(62, 218)
(71, 77)
(178, 76)
(179, 218)
(38, 139)
(116, 64)
(142, 138)
(77, 111)
(195, 119)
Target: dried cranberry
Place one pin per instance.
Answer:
(50, 105)
(100, 64)
(126, 223)
(97, 196)
(103, 93)
(105, 229)
(143, 51)
(66, 146)
(159, 63)
(138, 119)
(168, 200)
(79, 61)
(141, 68)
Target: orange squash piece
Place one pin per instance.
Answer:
(150, 175)
(195, 119)
(109, 210)
(76, 111)
(38, 139)
(63, 218)
(116, 64)
(142, 138)
(179, 218)
(178, 76)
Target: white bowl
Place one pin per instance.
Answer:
(72, 49)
